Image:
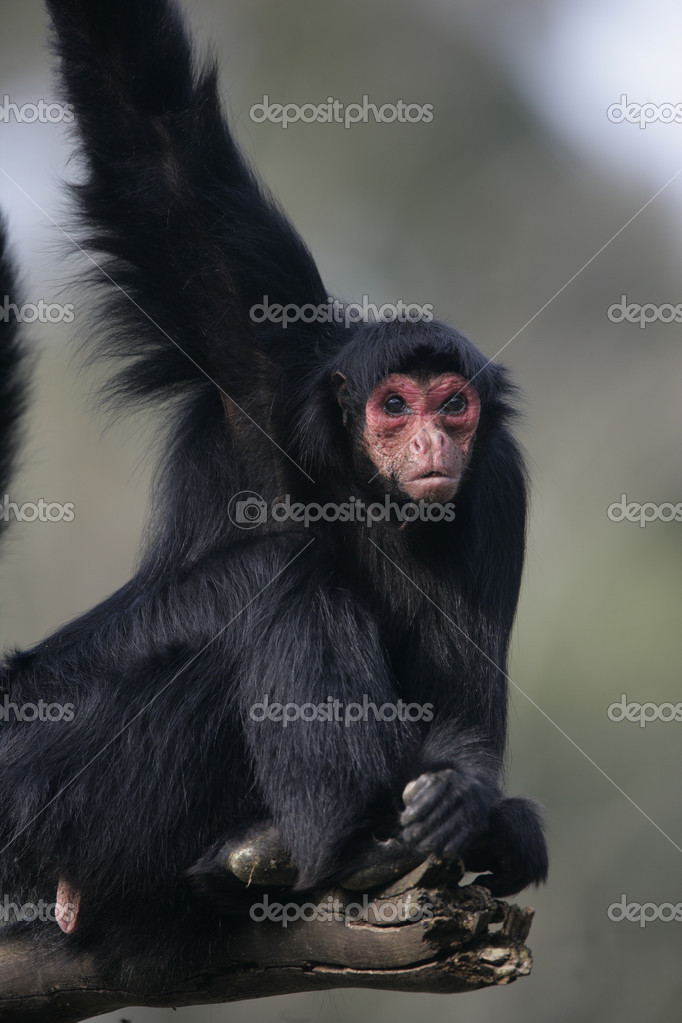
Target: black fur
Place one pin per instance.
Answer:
(162, 759)
(12, 369)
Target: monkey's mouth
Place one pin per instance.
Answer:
(431, 486)
(434, 474)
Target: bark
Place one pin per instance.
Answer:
(424, 932)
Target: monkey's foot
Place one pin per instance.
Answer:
(386, 861)
(259, 858)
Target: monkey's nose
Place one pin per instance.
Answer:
(428, 439)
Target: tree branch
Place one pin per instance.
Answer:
(421, 933)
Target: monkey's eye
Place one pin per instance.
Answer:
(395, 405)
(454, 406)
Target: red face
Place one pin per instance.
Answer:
(419, 433)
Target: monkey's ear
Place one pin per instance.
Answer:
(340, 385)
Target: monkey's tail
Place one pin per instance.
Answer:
(13, 375)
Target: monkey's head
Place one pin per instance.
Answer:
(416, 432)
(414, 399)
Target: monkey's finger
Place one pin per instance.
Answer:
(443, 813)
(428, 797)
(414, 787)
(457, 841)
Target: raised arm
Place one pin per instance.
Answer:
(188, 237)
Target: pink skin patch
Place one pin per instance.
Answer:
(68, 906)
(420, 432)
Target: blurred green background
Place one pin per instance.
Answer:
(487, 212)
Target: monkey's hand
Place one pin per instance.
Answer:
(445, 809)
